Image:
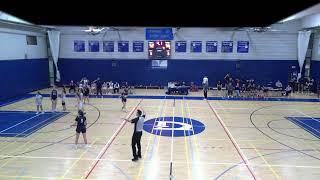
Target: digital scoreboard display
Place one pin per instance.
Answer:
(159, 49)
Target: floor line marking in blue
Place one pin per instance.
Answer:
(296, 123)
(301, 121)
(45, 123)
(20, 123)
(23, 132)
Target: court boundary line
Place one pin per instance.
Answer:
(235, 144)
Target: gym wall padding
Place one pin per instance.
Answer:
(139, 71)
(23, 76)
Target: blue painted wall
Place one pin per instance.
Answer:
(139, 72)
(315, 70)
(23, 76)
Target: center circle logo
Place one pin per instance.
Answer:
(179, 126)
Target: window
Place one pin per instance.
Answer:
(31, 40)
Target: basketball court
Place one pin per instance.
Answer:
(210, 139)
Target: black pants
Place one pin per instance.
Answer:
(136, 138)
(205, 93)
(99, 91)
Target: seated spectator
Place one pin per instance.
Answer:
(288, 90)
(104, 88)
(219, 86)
(278, 85)
(116, 88)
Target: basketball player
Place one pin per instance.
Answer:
(72, 87)
(80, 100)
(81, 123)
(39, 102)
(63, 99)
(54, 96)
(86, 92)
(137, 133)
(124, 100)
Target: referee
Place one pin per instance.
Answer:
(205, 83)
(137, 133)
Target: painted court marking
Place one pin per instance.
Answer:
(105, 148)
(237, 147)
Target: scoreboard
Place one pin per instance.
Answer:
(159, 49)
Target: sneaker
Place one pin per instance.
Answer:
(135, 159)
(75, 146)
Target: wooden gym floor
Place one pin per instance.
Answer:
(241, 140)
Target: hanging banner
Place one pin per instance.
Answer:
(78, 46)
(108, 46)
(181, 46)
(243, 47)
(227, 46)
(196, 46)
(137, 46)
(123, 46)
(93, 46)
(211, 46)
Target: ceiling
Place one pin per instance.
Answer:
(185, 13)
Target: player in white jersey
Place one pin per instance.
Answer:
(39, 102)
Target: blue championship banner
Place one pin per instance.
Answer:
(243, 47)
(123, 46)
(211, 46)
(137, 46)
(79, 46)
(181, 46)
(227, 46)
(93, 46)
(108, 46)
(196, 46)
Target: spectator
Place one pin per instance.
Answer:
(205, 83)
(229, 88)
(288, 90)
(116, 87)
(227, 78)
(219, 88)
(237, 89)
(278, 85)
